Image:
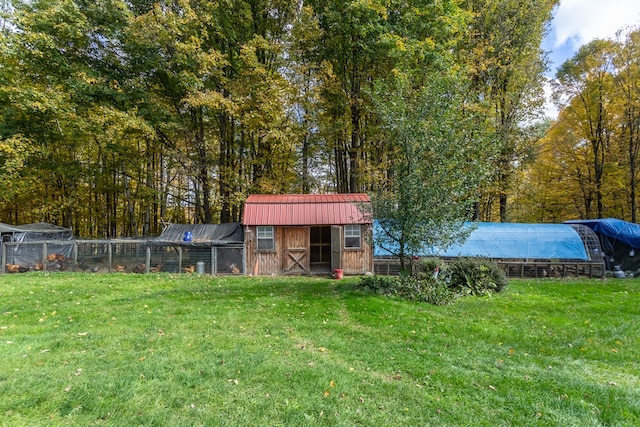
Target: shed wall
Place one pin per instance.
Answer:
(292, 249)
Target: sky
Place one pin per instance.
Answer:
(577, 22)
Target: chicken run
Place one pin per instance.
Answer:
(212, 249)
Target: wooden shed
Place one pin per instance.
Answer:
(307, 234)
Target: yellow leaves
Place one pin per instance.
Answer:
(327, 393)
(210, 99)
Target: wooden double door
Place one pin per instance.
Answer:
(312, 249)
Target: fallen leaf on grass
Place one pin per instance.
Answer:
(67, 389)
(232, 381)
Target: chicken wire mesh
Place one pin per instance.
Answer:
(131, 256)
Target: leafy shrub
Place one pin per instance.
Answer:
(426, 288)
(434, 267)
(423, 288)
(439, 283)
(475, 276)
(380, 284)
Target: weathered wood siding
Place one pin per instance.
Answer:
(262, 262)
(292, 249)
(358, 261)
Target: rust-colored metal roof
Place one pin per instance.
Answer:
(305, 209)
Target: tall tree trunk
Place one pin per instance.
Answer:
(133, 224)
(354, 149)
(224, 165)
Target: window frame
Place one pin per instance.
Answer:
(348, 234)
(265, 233)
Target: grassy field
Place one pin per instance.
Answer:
(148, 350)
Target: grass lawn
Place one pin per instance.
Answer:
(126, 350)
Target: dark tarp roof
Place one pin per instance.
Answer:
(509, 240)
(617, 239)
(41, 227)
(202, 234)
(622, 231)
(38, 231)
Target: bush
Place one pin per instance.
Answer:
(475, 276)
(423, 288)
(439, 283)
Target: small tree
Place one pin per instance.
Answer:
(434, 166)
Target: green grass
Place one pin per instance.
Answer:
(128, 350)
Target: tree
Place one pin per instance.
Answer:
(584, 87)
(506, 65)
(435, 168)
(627, 79)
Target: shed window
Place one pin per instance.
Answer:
(265, 238)
(352, 236)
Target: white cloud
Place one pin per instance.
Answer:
(579, 21)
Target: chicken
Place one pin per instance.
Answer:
(38, 266)
(189, 269)
(140, 268)
(120, 268)
(234, 269)
(156, 269)
(51, 257)
(12, 268)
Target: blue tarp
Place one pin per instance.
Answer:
(620, 241)
(622, 231)
(509, 240)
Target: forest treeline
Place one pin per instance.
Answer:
(587, 163)
(117, 116)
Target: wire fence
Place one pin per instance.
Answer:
(523, 269)
(121, 256)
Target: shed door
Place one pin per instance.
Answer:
(296, 253)
(336, 247)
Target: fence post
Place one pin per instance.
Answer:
(179, 259)
(214, 257)
(4, 258)
(148, 260)
(44, 256)
(244, 260)
(109, 255)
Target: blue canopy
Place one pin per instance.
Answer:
(622, 231)
(509, 240)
